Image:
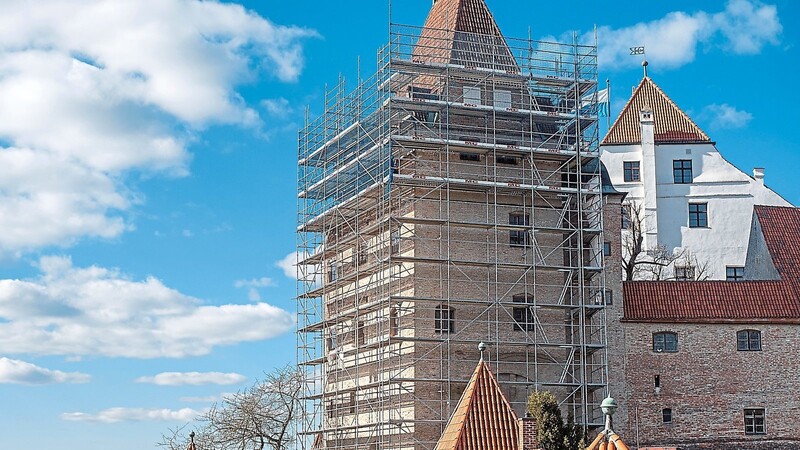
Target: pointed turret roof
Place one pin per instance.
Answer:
(483, 417)
(672, 125)
(464, 32)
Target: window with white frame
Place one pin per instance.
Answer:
(502, 99)
(472, 95)
(755, 421)
(684, 273)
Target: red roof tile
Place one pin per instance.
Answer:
(727, 301)
(781, 229)
(711, 302)
(463, 32)
(483, 417)
(672, 125)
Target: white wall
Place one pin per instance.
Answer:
(729, 192)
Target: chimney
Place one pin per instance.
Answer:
(528, 436)
(758, 174)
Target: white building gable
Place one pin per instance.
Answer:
(690, 196)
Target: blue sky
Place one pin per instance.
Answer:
(147, 178)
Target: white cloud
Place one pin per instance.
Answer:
(207, 399)
(13, 371)
(116, 415)
(252, 287)
(290, 268)
(744, 27)
(725, 116)
(75, 311)
(90, 95)
(256, 282)
(193, 378)
(277, 107)
(288, 265)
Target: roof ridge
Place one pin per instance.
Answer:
(476, 417)
(677, 108)
(441, 41)
(672, 125)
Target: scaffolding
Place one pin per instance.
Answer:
(452, 198)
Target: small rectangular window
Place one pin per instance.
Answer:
(684, 273)
(352, 402)
(333, 341)
(657, 381)
(734, 273)
(469, 156)
(502, 99)
(682, 171)
(606, 248)
(519, 238)
(395, 237)
(523, 315)
(665, 342)
(444, 320)
(666, 415)
(361, 333)
(608, 297)
(698, 215)
(510, 160)
(755, 421)
(748, 341)
(472, 95)
(631, 171)
(626, 215)
(333, 271)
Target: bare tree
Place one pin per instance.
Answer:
(260, 417)
(655, 263)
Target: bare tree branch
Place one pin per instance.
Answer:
(257, 418)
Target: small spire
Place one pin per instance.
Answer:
(191, 442)
(482, 348)
(645, 64)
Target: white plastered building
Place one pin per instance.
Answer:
(689, 195)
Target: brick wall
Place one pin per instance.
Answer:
(708, 383)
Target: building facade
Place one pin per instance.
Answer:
(713, 364)
(687, 198)
(452, 198)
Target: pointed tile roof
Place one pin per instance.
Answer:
(464, 32)
(483, 417)
(672, 125)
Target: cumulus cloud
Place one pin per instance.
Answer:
(725, 116)
(288, 264)
(91, 97)
(193, 378)
(13, 371)
(75, 311)
(744, 27)
(116, 415)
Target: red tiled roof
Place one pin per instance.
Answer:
(727, 301)
(672, 125)
(463, 32)
(710, 301)
(781, 229)
(483, 417)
